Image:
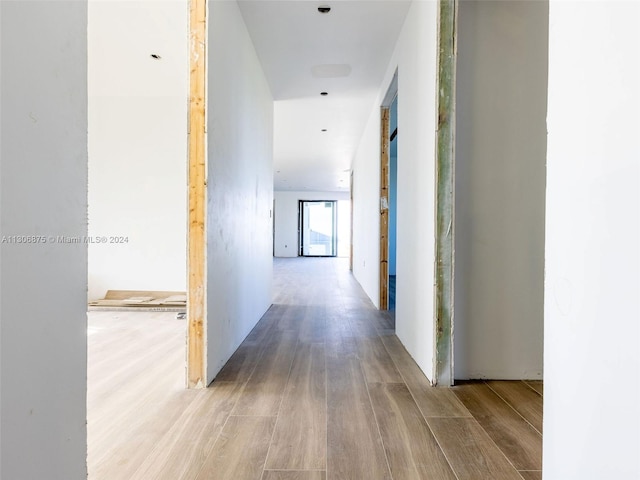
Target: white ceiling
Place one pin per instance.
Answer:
(303, 53)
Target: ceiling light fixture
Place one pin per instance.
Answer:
(324, 8)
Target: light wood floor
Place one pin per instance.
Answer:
(320, 389)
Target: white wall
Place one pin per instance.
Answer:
(500, 180)
(592, 344)
(286, 218)
(240, 186)
(43, 178)
(137, 144)
(366, 204)
(415, 59)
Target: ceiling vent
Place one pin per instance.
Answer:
(331, 71)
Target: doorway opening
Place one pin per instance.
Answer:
(317, 227)
(491, 228)
(393, 199)
(388, 196)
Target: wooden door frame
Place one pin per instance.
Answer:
(351, 221)
(445, 159)
(383, 302)
(445, 193)
(392, 92)
(197, 190)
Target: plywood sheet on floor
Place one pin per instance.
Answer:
(141, 299)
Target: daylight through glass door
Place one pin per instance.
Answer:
(318, 221)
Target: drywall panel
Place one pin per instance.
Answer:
(366, 205)
(137, 145)
(500, 181)
(592, 343)
(239, 186)
(415, 60)
(43, 175)
(286, 219)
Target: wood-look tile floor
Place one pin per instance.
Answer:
(321, 389)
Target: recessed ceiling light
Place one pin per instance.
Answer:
(155, 56)
(324, 8)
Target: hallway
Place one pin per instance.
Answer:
(320, 389)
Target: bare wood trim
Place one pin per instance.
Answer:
(384, 208)
(351, 220)
(196, 292)
(445, 161)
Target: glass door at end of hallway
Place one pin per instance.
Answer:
(317, 228)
